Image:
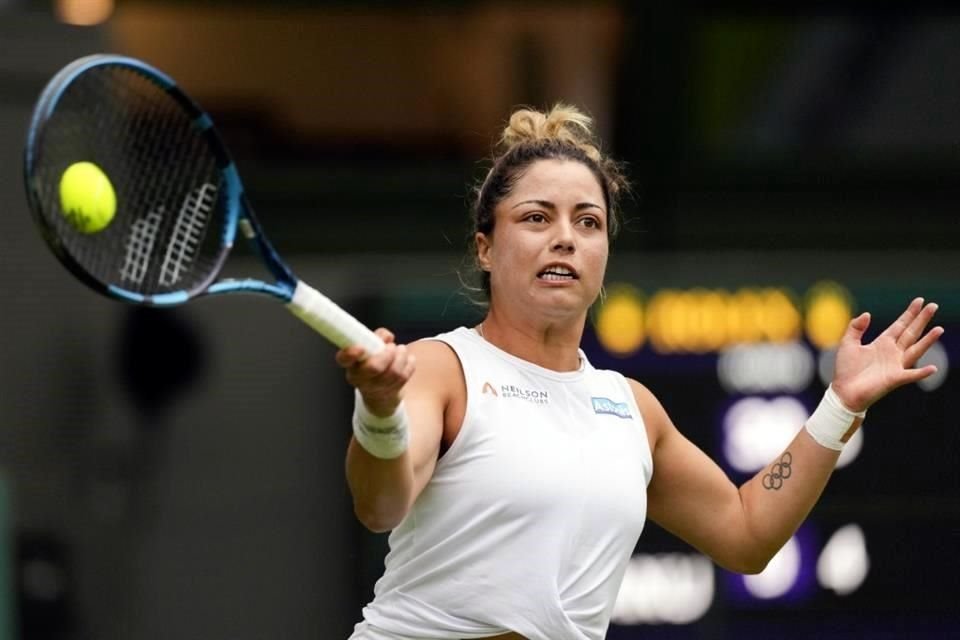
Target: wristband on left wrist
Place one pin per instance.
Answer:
(832, 424)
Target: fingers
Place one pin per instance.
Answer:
(915, 375)
(914, 342)
(349, 356)
(386, 366)
(857, 327)
(914, 352)
(385, 335)
(896, 329)
(914, 330)
(380, 378)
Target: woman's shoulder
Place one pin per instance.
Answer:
(440, 376)
(447, 348)
(433, 351)
(437, 355)
(654, 415)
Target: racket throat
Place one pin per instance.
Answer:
(246, 228)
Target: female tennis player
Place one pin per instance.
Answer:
(515, 477)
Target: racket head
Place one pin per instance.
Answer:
(178, 195)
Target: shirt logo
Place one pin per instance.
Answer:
(606, 405)
(535, 396)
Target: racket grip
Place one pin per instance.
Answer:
(332, 322)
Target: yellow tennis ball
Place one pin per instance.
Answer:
(87, 198)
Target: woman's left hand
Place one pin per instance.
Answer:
(865, 373)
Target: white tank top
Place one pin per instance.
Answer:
(532, 514)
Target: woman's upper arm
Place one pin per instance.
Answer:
(689, 494)
(427, 395)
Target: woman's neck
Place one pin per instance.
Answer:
(553, 346)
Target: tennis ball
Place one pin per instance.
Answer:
(87, 198)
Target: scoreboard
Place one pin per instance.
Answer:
(739, 370)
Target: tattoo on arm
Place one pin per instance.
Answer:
(780, 471)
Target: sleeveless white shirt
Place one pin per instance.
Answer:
(532, 514)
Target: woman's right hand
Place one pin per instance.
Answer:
(380, 379)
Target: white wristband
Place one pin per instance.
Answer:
(384, 438)
(832, 424)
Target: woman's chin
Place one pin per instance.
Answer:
(557, 303)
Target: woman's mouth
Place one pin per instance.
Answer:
(557, 273)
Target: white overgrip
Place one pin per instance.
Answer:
(332, 322)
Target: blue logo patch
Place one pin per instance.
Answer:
(606, 405)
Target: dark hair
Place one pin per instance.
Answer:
(563, 133)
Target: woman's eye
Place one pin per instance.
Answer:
(590, 222)
(536, 217)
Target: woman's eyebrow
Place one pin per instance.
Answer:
(546, 204)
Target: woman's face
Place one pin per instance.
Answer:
(548, 250)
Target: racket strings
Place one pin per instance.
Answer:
(139, 247)
(169, 134)
(187, 233)
(164, 236)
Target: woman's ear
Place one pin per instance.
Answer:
(483, 250)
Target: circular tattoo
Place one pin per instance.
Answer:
(779, 472)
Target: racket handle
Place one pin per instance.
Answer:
(332, 322)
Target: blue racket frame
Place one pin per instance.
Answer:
(238, 212)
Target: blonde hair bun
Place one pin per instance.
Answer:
(563, 123)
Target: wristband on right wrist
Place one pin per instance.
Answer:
(383, 437)
(832, 424)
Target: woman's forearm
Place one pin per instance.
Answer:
(381, 488)
(778, 499)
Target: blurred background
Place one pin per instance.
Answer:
(179, 473)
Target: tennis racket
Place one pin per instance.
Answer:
(179, 199)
